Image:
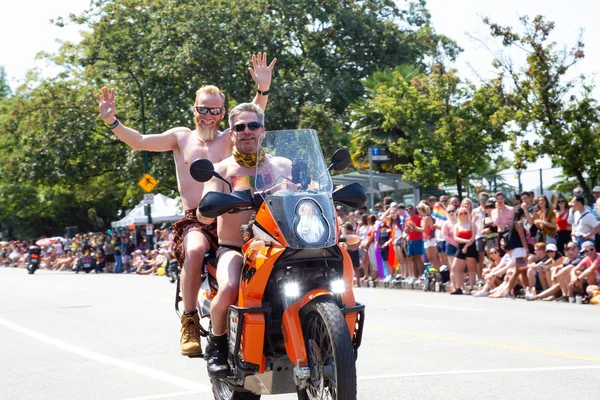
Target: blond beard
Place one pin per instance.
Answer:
(206, 134)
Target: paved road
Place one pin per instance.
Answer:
(66, 336)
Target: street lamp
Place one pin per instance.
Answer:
(519, 180)
(85, 61)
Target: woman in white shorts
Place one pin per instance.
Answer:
(516, 245)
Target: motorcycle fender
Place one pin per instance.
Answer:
(292, 327)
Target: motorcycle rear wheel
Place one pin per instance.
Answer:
(330, 353)
(225, 391)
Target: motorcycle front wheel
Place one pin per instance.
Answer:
(330, 353)
(223, 390)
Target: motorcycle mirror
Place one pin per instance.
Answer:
(340, 159)
(202, 170)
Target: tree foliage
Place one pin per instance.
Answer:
(560, 111)
(4, 87)
(62, 167)
(442, 130)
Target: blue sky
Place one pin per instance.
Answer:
(26, 30)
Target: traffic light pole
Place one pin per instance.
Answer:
(371, 189)
(146, 169)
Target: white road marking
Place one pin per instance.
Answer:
(479, 371)
(91, 355)
(163, 396)
(441, 307)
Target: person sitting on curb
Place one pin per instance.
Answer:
(538, 271)
(588, 269)
(560, 272)
(494, 275)
(87, 263)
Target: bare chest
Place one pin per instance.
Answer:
(189, 150)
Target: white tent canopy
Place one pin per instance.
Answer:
(164, 209)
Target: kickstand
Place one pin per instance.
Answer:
(178, 298)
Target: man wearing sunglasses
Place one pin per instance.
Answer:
(192, 238)
(247, 124)
(588, 269)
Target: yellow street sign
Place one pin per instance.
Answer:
(147, 182)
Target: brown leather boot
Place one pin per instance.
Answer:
(190, 335)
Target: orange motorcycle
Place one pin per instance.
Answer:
(296, 327)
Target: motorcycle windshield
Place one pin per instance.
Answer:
(295, 184)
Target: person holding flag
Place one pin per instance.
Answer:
(440, 216)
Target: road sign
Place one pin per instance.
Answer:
(149, 229)
(148, 198)
(147, 182)
(379, 154)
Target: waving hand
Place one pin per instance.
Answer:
(106, 105)
(261, 72)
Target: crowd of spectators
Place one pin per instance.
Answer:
(491, 246)
(118, 251)
(524, 246)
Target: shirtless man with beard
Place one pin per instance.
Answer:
(192, 238)
(246, 122)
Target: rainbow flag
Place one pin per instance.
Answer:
(439, 212)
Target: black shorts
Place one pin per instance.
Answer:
(225, 249)
(384, 251)
(471, 251)
(355, 258)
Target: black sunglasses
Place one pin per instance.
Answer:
(588, 250)
(212, 110)
(242, 127)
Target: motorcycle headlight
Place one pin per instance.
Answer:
(338, 286)
(291, 289)
(310, 225)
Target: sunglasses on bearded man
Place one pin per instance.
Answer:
(205, 110)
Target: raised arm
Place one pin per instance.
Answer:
(261, 73)
(166, 141)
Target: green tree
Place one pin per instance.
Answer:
(444, 131)
(560, 111)
(367, 121)
(490, 176)
(61, 166)
(57, 162)
(330, 131)
(324, 49)
(4, 87)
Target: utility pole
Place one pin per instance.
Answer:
(541, 183)
(371, 189)
(145, 152)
